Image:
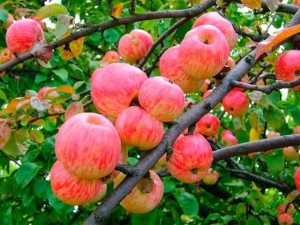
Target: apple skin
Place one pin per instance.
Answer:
(5, 56)
(296, 2)
(285, 219)
(170, 68)
(73, 190)
(113, 91)
(287, 68)
(191, 158)
(228, 139)
(211, 177)
(145, 196)
(297, 179)
(208, 125)
(88, 145)
(110, 57)
(297, 129)
(290, 153)
(138, 128)
(236, 103)
(23, 34)
(161, 98)
(134, 46)
(215, 19)
(203, 52)
(286, 207)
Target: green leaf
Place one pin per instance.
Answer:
(39, 78)
(62, 25)
(187, 202)
(275, 163)
(3, 15)
(51, 10)
(3, 95)
(62, 74)
(6, 215)
(253, 221)
(26, 173)
(169, 184)
(111, 35)
(13, 147)
(145, 219)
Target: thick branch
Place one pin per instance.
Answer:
(257, 146)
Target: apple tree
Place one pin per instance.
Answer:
(149, 112)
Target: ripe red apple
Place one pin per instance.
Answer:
(23, 34)
(236, 103)
(145, 196)
(73, 190)
(191, 158)
(134, 46)
(224, 25)
(228, 139)
(203, 52)
(114, 87)
(286, 207)
(138, 128)
(297, 179)
(297, 129)
(170, 68)
(161, 98)
(296, 2)
(110, 57)
(211, 177)
(88, 145)
(287, 68)
(285, 219)
(208, 125)
(290, 153)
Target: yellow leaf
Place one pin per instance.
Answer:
(72, 49)
(51, 10)
(5, 132)
(63, 88)
(117, 10)
(143, 1)
(73, 109)
(272, 42)
(252, 4)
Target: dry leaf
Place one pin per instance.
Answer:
(73, 109)
(272, 42)
(5, 132)
(252, 4)
(117, 10)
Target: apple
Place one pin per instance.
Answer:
(73, 190)
(229, 65)
(290, 153)
(208, 125)
(161, 98)
(5, 56)
(145, 196)
(296, 2)
(138, 128)
(203, 52)
(211, 177)
(236, 103)
(286, 207)
(297, 129)
(297, 179)
(170, 68)
(114, 87)
(191, 158)
(287, 68)
(285, 219)
(23, 34)
(110, 57)
(224, 25)
(88, 145)
(135, 45)
(228, 139)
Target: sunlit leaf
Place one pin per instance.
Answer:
(117, 10)
(3, 95)
(63, 88)
(36, 136)
(51, 10)
(272, 5)
(272, 42)
(13, 147)
(62, 24)
(252, 4)
(73, 109)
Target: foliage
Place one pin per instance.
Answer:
(249, 189)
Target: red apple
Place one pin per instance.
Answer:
(191, 158)
(211, 177)
(285, 219)
(236, 103)
(287, 68)
(73, 190)
(228, 139)
(5, 56)
(229, 65)
(208, 125)
(297, 129)
(224, 25)
(161, 98)
(134, 46)
(110, 57)
(170, 68)
(23, 34)
(138, 128)
(297, 179)
(286, 207)
(114, 87)
(203, 52)
(145, 196)
(290, 153)
(88, 145)
(296, 2)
